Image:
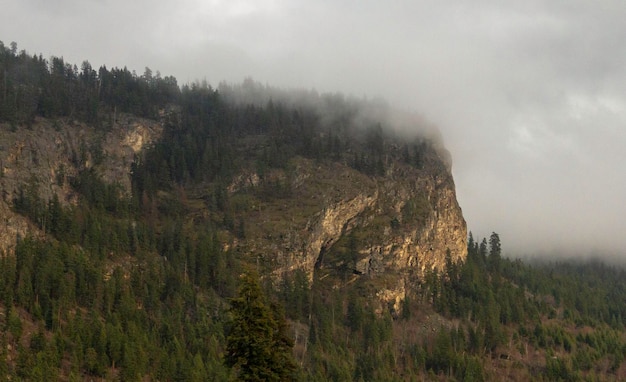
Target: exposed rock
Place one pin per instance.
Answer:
(128, 138)
(406, 222)
(44, 157)
(12, 226)
(329, 225)
(316, 216)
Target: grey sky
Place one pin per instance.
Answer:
(529, 95)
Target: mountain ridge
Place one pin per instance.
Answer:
(129, 197)
(136, 212)
(284, 175)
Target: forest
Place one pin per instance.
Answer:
(125, 288)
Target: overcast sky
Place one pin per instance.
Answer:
(530, 96)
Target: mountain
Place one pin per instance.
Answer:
(133, 170)
(41, 161)
(318, 183)
(158, 232)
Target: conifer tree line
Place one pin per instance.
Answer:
(33, 86)
(126, 289)
(205, 126)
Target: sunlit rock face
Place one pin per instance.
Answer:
(322, 217)
(389, 229)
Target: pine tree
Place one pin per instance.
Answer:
(258, 347)
(495, 251)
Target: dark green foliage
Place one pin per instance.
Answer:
(136, 288)
(493, 294)
(495, 251)
(33, 86)
(258, 347)
(129, 317)
(295, 293)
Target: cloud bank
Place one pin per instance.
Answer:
(528, 95)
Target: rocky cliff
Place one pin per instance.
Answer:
(43, 158)
(323, 217)
(335, 221)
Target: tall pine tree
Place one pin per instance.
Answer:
(258, 347)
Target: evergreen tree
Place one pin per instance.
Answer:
(495, 251)
(258, 347)
(482, 251)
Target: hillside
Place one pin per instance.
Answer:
(283, 176)
(135, 210)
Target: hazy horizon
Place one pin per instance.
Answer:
(528, 96)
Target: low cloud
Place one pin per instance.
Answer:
(528, 95)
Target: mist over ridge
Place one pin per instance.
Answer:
(340, 111)
(528, 97)
(363, 111)
(411, 190)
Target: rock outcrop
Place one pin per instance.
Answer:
(43, 158)
(387, 229)
(324, 218)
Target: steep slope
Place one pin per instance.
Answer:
(132, 206)
(390, 228)
(308, 214)
(43, 159)
(124, 239)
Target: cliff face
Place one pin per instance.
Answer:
(336, 221)
(322, 217)
(43, 158)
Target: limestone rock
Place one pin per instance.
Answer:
(403, 223)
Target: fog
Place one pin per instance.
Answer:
(528, 96)
(359, 113)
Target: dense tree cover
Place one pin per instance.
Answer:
(258, 345)
(33, 86)
(211, 139)
(134, 288)
(114, 297)
(570, 311)
(496, 312)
